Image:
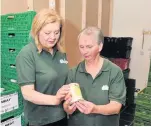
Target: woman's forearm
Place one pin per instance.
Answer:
(40, 98)
(108, 109)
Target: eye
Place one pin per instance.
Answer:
(47, 33)
(89, 46)
(57, 32)
(81, 47)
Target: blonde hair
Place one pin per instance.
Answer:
(44, 17)
(95, 31)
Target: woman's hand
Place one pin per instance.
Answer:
(68, 107)
(62, 92)
(85, 107)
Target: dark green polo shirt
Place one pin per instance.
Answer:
(48, 73)
(107, 85)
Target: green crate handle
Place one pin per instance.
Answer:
(12, 50)
(12, 65)
(10, 17)
(11, 35)
(13, 80)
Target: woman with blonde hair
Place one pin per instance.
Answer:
(42, 69)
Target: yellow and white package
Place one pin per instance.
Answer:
(75, 92)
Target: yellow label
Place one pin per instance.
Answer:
(77, 90)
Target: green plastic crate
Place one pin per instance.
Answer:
(9, 51)
(143, 117)
(9, 74)
(5, 60)
(149, 76)
(17, 21)
(19, 44)
(9, 55)
(8, 68)
(139, 122)
(14, 37)
(16, 116)
(12, 83)
(145, 109)
(148, 91)
(10, 90)
(144, 96)
(8, 81)
(10, 43)
(149, 84)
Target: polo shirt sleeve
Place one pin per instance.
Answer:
(71, 76)
(25, 67)
(117, 90)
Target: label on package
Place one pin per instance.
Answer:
(9, 102)
(16, 121)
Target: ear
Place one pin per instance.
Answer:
(100, 47)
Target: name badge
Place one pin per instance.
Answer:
(105, 87)
(63, 61)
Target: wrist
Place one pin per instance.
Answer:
(56, 100)
(95, 109)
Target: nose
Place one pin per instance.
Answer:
(85, 51)
(52, 36)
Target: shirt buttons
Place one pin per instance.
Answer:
(93, 84)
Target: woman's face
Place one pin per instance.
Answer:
(49, 35)
(89, 48)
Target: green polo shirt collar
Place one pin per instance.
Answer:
(54, 49)
(105, 66)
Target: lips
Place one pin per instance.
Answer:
(86, 56)
(51, 42)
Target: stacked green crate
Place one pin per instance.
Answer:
(149, 77)
(17, 21)
(11, 105)
(143, 108)
(15, 30)
(143, 105)
(11, 100)
(16, 120)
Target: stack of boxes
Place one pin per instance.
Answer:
(143, 105)
(118, 50)
(128, 111)
(11, 106)
(117, 47)
(15, 30)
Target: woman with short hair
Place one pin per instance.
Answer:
(101, 83)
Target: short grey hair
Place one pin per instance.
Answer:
(95, 31)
